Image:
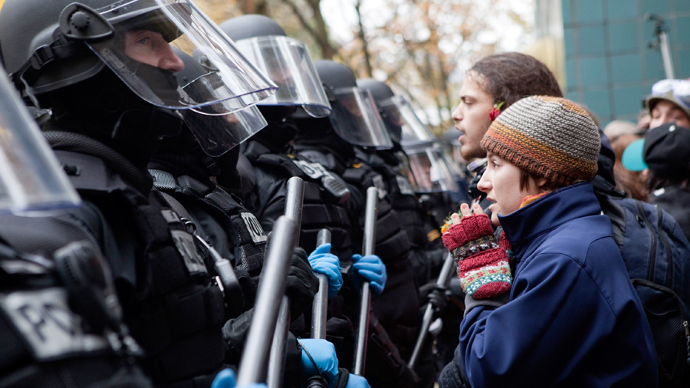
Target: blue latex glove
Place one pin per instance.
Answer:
(323, 354)
(372, 269)
(324, 262)
(226, 379)
(355, 381)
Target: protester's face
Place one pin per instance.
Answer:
(151, 48)
(501, 183)
(472, 117)
(668, 112)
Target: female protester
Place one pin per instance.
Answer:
(549, 303)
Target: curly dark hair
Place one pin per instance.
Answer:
(511, 76)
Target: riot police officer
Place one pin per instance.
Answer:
(272, 161)
(391, 164)
(60, 320)
(331, 141)
(272, 158)
(106, 70)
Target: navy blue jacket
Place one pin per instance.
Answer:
(573, 318)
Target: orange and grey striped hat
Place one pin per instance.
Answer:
(548, 137)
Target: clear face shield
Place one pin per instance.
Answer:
(356, 119)
(454, 168)
(430, 170)
(142, 52)
(406, 170)
(398, 113)
(220, 126)
(455, 153)
(218, 134)
(287, 63)
(31, 178)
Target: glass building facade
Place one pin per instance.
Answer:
(608, 62)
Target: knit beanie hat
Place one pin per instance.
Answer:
(548, 137)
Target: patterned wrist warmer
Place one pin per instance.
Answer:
(482, 262)
(470, 228)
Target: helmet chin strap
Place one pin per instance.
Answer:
(160, 122)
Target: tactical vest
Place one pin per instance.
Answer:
(45, 341)
(392, 243)
(393, 247)
(413, 218)
(173, 308)
(403, 201)
(239, 227)
(324, 196)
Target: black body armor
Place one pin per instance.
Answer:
(324, 197)
(171, 303)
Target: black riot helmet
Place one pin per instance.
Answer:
(355, 117)
(285, 60)
(49, 45)
(251, 26)
(379, 90)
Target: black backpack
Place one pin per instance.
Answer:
(657, 256)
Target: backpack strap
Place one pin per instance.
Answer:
(616, 213)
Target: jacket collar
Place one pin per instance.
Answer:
(547, 213)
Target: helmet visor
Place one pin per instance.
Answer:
(398, 112)
(356, 119)
(453, 167)
(218, 134)
(406, 170)
(287, 63)
(142, 53)
(430, 170)
(31, 178)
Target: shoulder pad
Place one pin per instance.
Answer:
(89, 172)
(316, 156)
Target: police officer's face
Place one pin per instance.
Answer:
(421, 165)
(149, 47)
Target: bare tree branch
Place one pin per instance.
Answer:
(318, 32)
(363, 39)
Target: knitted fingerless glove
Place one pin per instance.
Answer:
(482, 261)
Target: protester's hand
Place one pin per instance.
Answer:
(302, 284)
(483, 265)
(371, 269)
(466, 211)
(323, 360)
(226, 379)
(324, 262)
